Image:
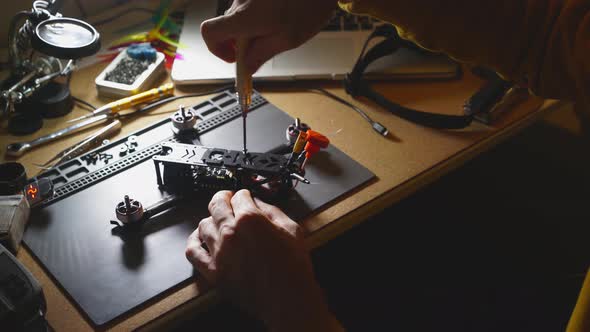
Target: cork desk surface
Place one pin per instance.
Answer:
(410, 158)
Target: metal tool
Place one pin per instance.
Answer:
(86, 144)
(127, 102)
(45, 32)
(243, 84)
(19, 148)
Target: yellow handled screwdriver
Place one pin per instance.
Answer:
(122, 104)
(243, 83)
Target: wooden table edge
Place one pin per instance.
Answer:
(371, 208)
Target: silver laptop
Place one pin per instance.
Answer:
(329, 55)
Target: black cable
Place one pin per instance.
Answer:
(378, 127)
(83, 102)
(356, 86)
(153, 105)
(123, 13)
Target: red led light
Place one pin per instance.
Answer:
(32, 191)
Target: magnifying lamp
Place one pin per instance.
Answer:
(65, 38)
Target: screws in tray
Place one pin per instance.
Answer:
(129, 146)
(127, 71)
(132, 143)
(123, 149)
(93, 157)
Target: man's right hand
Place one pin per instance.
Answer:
(270, 26)
(256, 256)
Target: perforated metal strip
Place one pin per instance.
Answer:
(148, 152)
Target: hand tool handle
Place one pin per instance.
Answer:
(17, 149)
(243, 76)
(140, 98)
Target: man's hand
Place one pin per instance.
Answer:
(270, 26)
(256, 256)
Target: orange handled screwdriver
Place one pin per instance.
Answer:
(243, 84)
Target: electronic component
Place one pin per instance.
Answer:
(38, 191)
(131, 214)
(22, 303)
(129, 210)
(293, 130)
(15, 205)
(183, 167)
(183, 121)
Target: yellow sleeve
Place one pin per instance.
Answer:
(540, 44)
(580, 320)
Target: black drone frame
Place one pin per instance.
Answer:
(185, 168)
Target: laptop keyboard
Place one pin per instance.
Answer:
(340, 21)
(343, 21)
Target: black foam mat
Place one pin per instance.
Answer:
(107, 275)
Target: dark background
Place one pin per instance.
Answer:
(501, 244)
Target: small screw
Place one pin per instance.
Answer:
(123, 150)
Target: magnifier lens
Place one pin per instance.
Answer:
(66, 34)
(66, 38)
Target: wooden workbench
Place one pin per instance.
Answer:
(413, 157)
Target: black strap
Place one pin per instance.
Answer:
(356, 86)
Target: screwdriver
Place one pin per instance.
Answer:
(124, 103)
(243, 84)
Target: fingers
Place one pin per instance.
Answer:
(220, 207)
(271, 211)
(208, 233)
(244, 206)
(220, 33)
(221, 46)
(279, 217)
(264, 48)
(200, 258)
